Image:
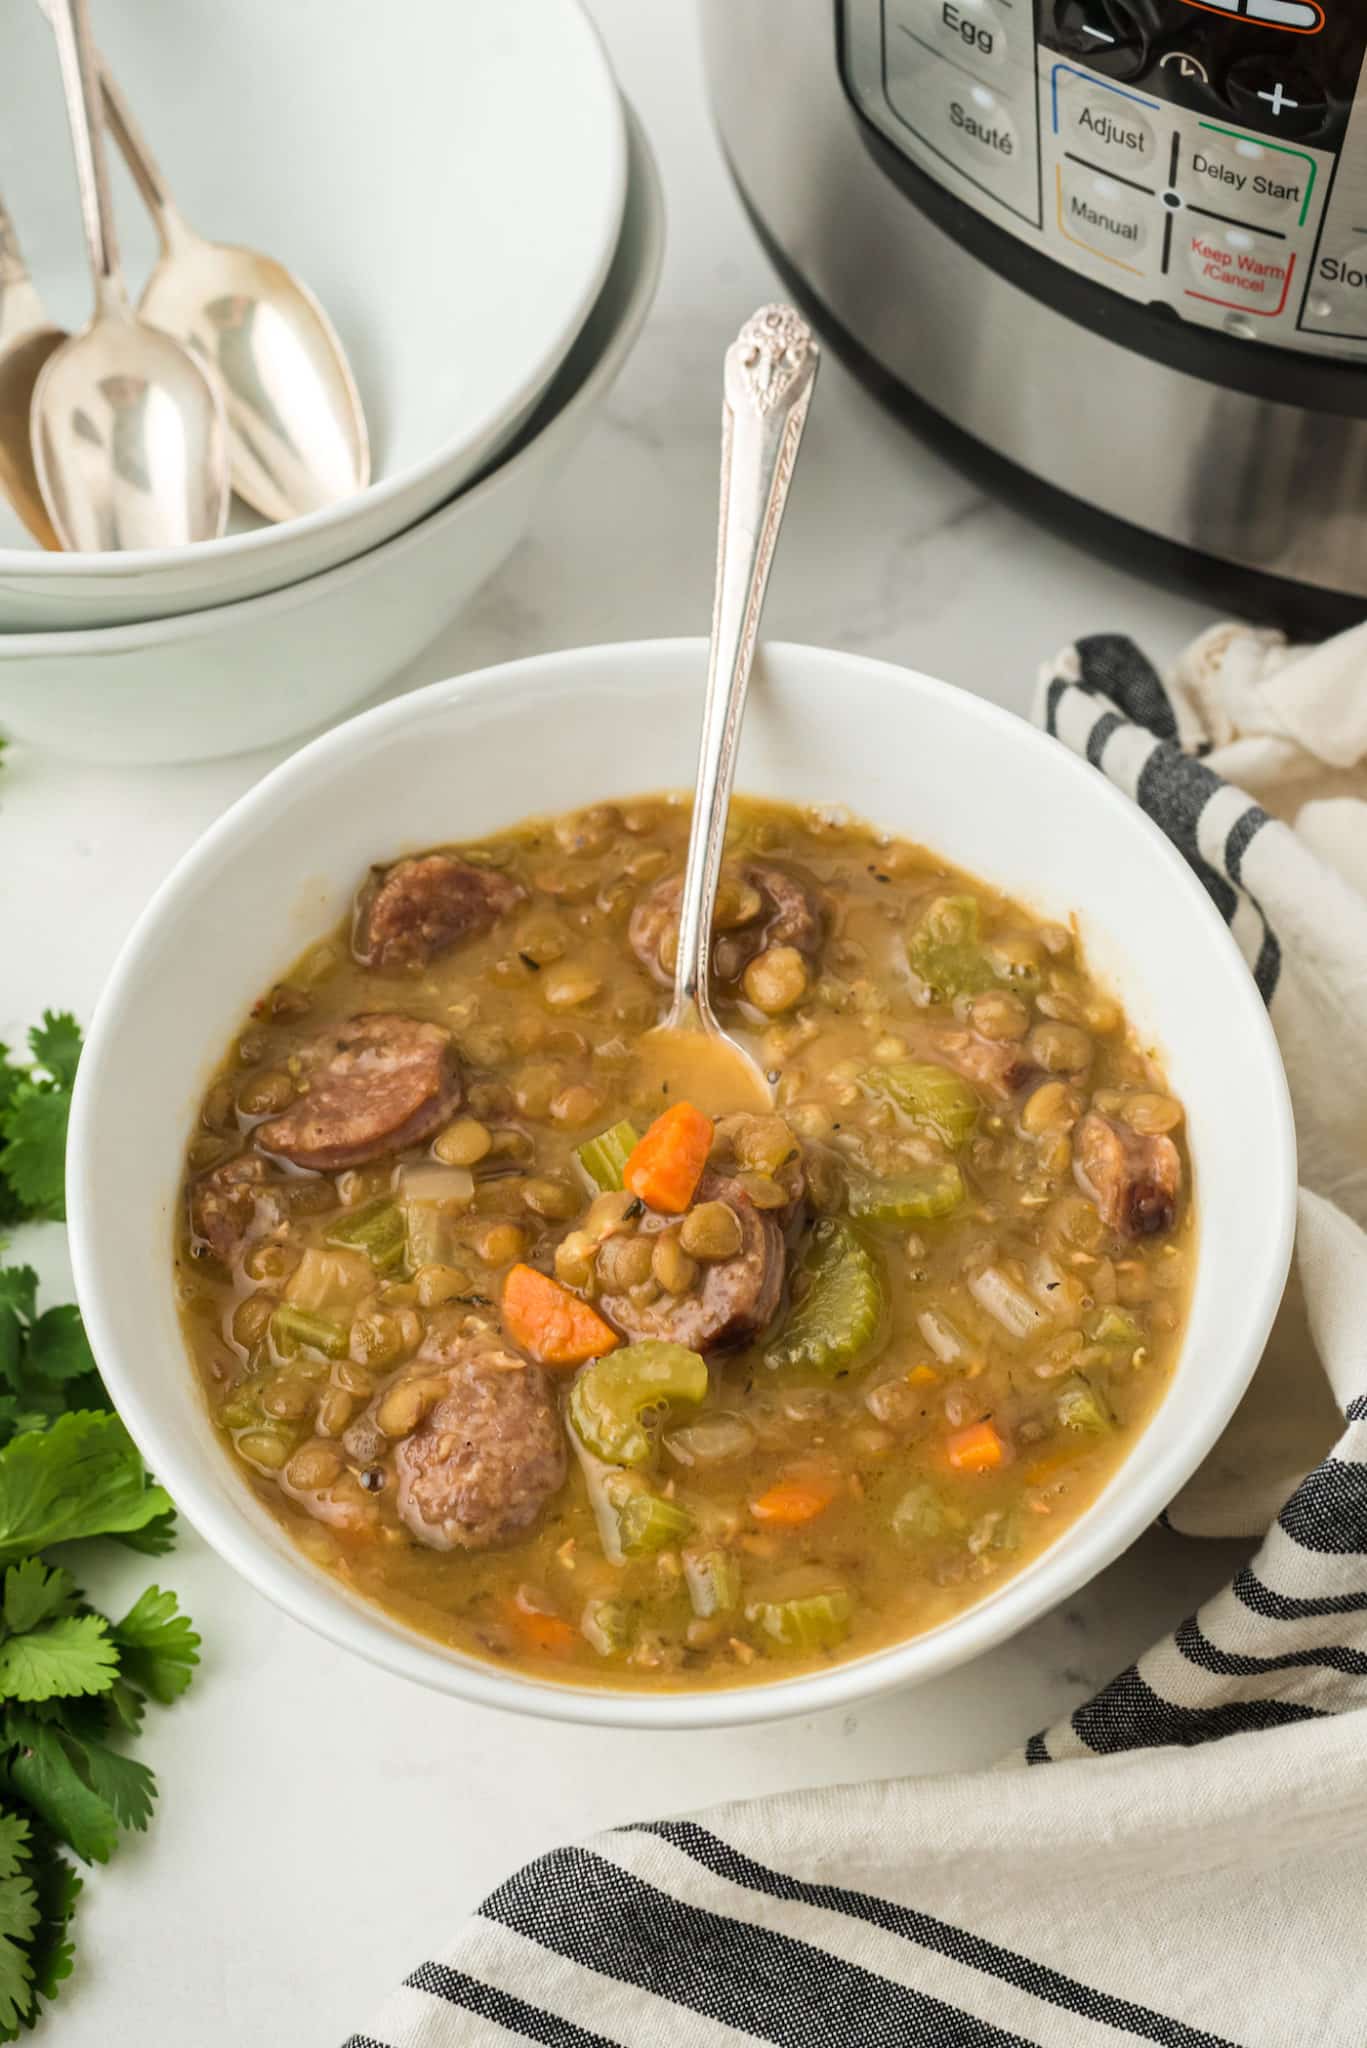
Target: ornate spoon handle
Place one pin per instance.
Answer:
(767, 387)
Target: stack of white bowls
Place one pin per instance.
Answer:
(467, 193)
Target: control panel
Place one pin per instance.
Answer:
(1206, 155)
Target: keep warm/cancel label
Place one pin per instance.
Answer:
(1235, 267)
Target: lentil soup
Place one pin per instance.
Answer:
(579, 1378)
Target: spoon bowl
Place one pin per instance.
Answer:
(21, 364)
(129, 444)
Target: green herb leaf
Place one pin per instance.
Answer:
(61, 1660)
(82, 1477)
(35, 1103)
(43, 1769)
(158, 1645)
(56, 1045)
(57, 1887)
(20, 1916)
(58, 1348)
(35, 1593)
(154, 1539)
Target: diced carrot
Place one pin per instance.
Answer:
(1045, 1469)
(979, 1448)
(922, 1376)
(794, 1501)
(547, 1634)
(554, 1326)
(664, 1167)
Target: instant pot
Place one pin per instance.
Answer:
(1110, 254)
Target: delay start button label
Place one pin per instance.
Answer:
(1231, 266)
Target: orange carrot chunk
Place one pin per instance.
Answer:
(664, 1167)
(794, 1501)
(979, 1448)
(552, 1325)
(547, 1635)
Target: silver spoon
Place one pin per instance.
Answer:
(767, 388)
(129, 440)
(296, 431)
(27, 339)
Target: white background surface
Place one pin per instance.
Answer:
(323, 1826)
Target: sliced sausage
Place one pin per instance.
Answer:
(734, 1298)
(409, 913)
(374, 1085)
(996, 1064)
(1134, 1181)
(486, 1458)
(792, 912)
(233, 1205)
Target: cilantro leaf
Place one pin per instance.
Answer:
(46, 1363)
(57, 1886)
(34, 1593)
(158, 1645)
(33, 1157)
(82, 1477)
(154, 1538)
(126, 1706)
(56, 1045)
(62, 1659)
(125, 1785)
(58, 1348)
(42, 1770)
(20, 1914)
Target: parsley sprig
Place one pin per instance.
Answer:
(74, 1683)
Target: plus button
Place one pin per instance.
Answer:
(1277, 99)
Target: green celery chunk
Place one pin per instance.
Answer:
(839, 1315)
(713, 1581)
(379, 1231)
(611, 1399)
(1112, 1326)
(291, 1327)
(604, 1158)
(646, 1523)
(426, 1233)
(931, 1096)
(946, 950)
(606, 1626)
(920, 1514)
(244, 1407)
(909, 1197)
(1080, 1405)
(813, 1621)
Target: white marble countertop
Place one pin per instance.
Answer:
(322, 1824)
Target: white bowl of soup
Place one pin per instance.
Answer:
(583, 1402)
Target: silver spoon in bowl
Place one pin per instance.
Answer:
(767, 388)
(297, 437)
(129, 440)
(27, 339)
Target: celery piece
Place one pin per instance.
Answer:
(1080, 1405)
(426, 1234)
(713, 1581)
(612, 1399)
(244, 1408)
(606, 1626)
(646, 1523)
(909, 1197)
(379, 1231)
(931, 1096)
(946, 950)
(813, 1621)
(1112, 1326)
(604, 1158)
(291, 1327)
(839, 1315)
(920, 1514)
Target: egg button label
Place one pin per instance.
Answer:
(1237, 267)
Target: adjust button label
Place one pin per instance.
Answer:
(1236, 266)
(1108, 127)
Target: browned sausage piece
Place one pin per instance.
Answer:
(375, 1084)
(995, 1064)
(735, 1297)
(1134, 1181)
(791, 912)
(233, 1205)
(487, 1456)
(419, 907)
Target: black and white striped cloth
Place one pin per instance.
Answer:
(1191, 1867)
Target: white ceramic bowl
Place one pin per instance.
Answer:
(449, 178)
(251, 674)
(467, 756)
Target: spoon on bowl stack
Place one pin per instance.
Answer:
(768, 377)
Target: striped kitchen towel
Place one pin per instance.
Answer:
(1152, 1883)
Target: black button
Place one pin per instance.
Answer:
(1107, 35)
(1276, 95)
